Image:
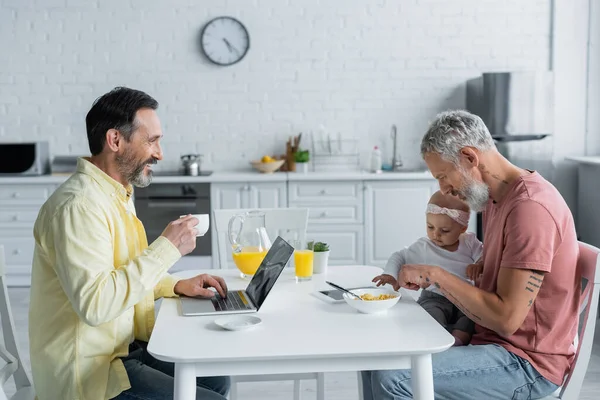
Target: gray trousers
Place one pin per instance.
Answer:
(444, 312)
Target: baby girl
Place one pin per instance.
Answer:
(448, 246)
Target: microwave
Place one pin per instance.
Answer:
(26, 158)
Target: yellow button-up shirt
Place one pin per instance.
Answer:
(93, 286)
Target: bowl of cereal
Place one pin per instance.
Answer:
(374, 300)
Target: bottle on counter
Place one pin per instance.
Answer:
(376, 160)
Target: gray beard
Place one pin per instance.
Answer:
(134, 174)
(476, 193)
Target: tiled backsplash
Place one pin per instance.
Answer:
(355, 68)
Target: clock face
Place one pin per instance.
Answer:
(225, 40)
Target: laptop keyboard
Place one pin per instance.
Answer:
(234, 301)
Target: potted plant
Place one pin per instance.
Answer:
(321, 257)
(302, 157)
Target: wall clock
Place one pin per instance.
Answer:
(224, 40)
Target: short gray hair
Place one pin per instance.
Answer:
(453, 130)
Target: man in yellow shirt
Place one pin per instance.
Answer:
(95, 278)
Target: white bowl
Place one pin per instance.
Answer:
(372, 306)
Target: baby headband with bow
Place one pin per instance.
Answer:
(462, 217)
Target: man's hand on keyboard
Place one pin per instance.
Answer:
(199, 286)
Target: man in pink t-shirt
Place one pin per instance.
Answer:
(526, 306)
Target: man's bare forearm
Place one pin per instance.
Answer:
(482, 307)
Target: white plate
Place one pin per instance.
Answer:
(238, 322)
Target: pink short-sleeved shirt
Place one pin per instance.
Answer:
(532, 228)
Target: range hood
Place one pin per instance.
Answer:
(515, 106)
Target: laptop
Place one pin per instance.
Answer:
(251, 299)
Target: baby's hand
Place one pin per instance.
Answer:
(384, 279)
(474, 271)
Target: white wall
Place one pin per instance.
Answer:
(355, 66)
(570, 65)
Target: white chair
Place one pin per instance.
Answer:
(588, 266)
(9, 351)
(289, 223)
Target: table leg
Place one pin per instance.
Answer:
(422, 377)
(185, 381)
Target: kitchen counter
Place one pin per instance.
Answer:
(592, 160)
(246, 176)
(358, 176)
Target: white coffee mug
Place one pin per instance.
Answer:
(203, 223)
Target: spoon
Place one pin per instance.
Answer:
(343, 290)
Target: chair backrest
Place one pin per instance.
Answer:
(9, 352)
(289, 223)
(588, 265)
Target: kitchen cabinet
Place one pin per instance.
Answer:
(243, 195)
(228, 195)
(346, 242)
(248, 195)
(335, 216)
(364, 218)
(19, 208)
(394, 216)
(267, 195)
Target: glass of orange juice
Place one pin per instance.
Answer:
(303, 261)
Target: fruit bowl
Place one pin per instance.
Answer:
(267, 167)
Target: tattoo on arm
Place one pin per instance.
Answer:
(535, 281)
(535, 278)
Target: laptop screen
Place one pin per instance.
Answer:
(271, 267)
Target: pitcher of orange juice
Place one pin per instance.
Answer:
(249, 241)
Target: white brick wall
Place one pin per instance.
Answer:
(355, 66)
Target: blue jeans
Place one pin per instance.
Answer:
(152, 379)
(466, 372)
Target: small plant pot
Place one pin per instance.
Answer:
(302, 167)
(320, 261)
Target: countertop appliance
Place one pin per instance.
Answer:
(161, 203)
(190, 164)
(27, 158)
(515, 106)
(64, 165)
